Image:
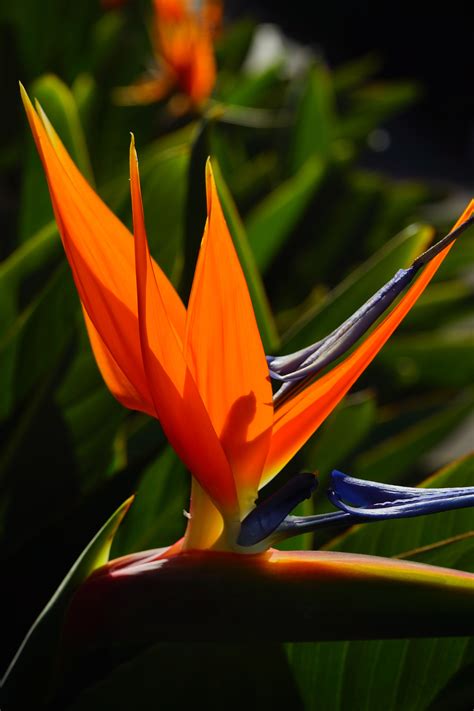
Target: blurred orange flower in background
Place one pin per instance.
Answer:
(183, 34)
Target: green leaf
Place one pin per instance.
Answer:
(345, 675)
(60, 105)
(459, 259)
(270, 223)
(339, 436)
(58, 102)
(104, 39)
(92, 417)
(232, 47)
(195, 208)
(454, 552)
(164, 194)
(373, 104)
(54, 309)
(341, 433)
(357, 288)
(313, 131)
(393, 459)
(29, 678)
(85, 90)
(441, 359)
(400, 202)
(157, 517)
(395, 538)
(20, 269)
(153, 157)
(252, 89)
(352, 674)
(459, 691)
(35, 254)
(260, 303)
(439, 304)
(354, 73)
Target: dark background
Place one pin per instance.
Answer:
(432, 44)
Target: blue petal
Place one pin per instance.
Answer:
(362, 501)
(342, 338)
(268, 515)
(307, 362)
(373, 501)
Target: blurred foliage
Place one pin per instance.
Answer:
(316, 233)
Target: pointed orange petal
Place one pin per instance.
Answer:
(115, 235)
(298, 418)
(100, 252)
(177, 401)
(117, 382)
(225, 353)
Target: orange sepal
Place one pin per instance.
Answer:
(100, 252)
(177, 401)
(225, 353)
(117, 382)
(297, 419)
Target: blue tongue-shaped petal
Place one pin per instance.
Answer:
(305, 363)
(357, 501)
(374, 501)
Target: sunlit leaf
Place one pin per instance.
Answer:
(271, 222)
(233, 45)
(314, 127)
(392, 459)
(252, 89)
(157, 517)
(373, 104)
(357, 287)
(437, 359)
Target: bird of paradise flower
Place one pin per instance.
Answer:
(203, 374)
(183, 33)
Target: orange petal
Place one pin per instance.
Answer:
(201, 76)
(178, 404)
(185, 45)
(101, 254)
(171, 10)
(117, 382)
(300, 416)
(225, 353)
(119, 236)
